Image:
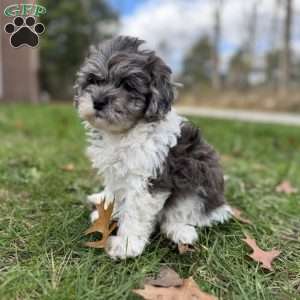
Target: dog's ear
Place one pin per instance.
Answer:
(161, 93)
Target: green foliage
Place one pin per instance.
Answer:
(70, 27)
(197, 65)
(43, 215)
(272, 59)
(239, 69)
(272, 69)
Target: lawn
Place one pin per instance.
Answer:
(43, 214)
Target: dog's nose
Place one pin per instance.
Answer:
(100, 103)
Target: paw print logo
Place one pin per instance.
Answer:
(24, 32)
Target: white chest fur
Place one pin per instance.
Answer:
(126, 161)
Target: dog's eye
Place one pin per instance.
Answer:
(127, 87)
(94, 79)
(125, 84)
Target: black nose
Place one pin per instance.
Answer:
(100, 103)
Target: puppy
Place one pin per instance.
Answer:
(155, 164)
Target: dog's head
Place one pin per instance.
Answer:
(120, 85)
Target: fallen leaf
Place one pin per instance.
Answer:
(237, 214)
(169, 286)
(189, 290)
(226, 157)
(34, 174)
(184, 248)
(259, 167)
(68, 167)
(259, 255)
(102, 225)
(166, 278)
(286, 187)
(19, 124)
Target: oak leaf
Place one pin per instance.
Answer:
(237, 214)
(264, 257)
(226, 157)
(102, 225)
(172, 287)
(19, 124)
(286, 187)
(68, 167)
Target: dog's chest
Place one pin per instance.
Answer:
(132, 159)
(122, 160)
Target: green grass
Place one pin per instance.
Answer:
(43, 215)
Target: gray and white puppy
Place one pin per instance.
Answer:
(154, 163)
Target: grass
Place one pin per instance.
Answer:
(43, 215)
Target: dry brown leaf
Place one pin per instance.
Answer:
(68, 167)
(189, 290)
(259, 255)
(226, 158)
(259, 167)
(185, 248)
(102, 225)
(19, 124)
(286, 187)
(169, 286)
(237, 214)
(166, 278)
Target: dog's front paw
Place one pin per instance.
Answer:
(123, 246)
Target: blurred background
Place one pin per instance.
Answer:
(227, 53)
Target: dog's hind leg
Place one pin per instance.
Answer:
(179, 218)
(183, 213)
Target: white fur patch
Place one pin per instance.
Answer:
(94, 215)
(86, 110)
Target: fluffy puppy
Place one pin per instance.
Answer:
(155, 164)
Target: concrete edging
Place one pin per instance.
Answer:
(241, 115)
